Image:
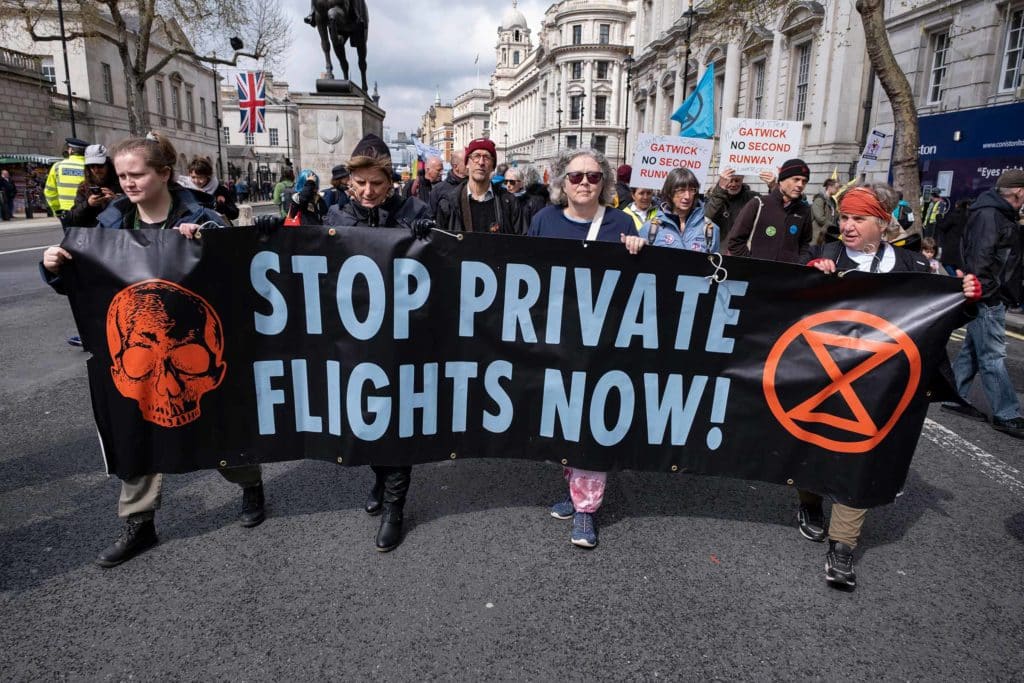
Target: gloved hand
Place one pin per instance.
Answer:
(267, 225)
(421, 228)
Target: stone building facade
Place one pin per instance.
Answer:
(27, 111)
(263, 155)
(471, 116)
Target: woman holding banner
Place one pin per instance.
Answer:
(376, 204)
(679, 222)
(583, 186)
(864, 216)
(145, 168)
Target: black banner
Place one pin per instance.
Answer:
(363, 346)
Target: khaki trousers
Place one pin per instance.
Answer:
(140, 496)
(846, 522)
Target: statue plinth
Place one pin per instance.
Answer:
(331, 122)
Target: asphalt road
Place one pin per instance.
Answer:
(694, 578)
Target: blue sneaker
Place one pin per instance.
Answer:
(584, 530)
(563, 509)
(75, 341)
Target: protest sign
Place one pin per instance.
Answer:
(750, 146)
(656, 155)
(872, 147)
(364, 346)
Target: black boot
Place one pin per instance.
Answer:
(390, 533)
(137, 536)
(375, 499)
(253, 512)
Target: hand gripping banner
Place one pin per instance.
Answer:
(365, 346)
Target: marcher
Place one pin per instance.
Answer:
(679, 222)
(949, 232)
(779, 226)
(726, 199)
(930, 251)
(202, 179)
(934, 209)
(7, 194)
(583, 188)
(642, 208)
(992, 251)
(337, 193)
(421, 186)
(306, 206)
(523, 182)
(903, 213)
(824, 212)
(456, 175)
(99, 187)
(865, 213)
(64, 178)
(242, 190)
(623, 192)
(477, 205)
(145, 167)
(376, 205)
(282, 191)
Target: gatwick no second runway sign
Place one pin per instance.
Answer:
(656, 155)
(750, 146)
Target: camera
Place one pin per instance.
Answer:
(95, 189)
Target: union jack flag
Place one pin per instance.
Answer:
(252, 101)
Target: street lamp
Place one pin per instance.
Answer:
(506, 143)
(236, 44)
(583, 97)
(288, 127)
(67, 72)
(629, 62)
(690, 13)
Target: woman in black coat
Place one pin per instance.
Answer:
(99, 187)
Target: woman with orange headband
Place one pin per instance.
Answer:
(864, 215)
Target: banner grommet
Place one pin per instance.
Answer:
(675, 468)
(332, 232)
(223, 463)
(341, 460)
(789, 482)
(564, 461)
(453, 455)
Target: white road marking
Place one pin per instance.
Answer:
(18, 251)
(951, 442)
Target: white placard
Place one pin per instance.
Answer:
(872, 147)
(656, 155)
(750, 146)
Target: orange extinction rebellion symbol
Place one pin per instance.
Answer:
(880, 339)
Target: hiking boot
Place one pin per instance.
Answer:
(563, 509)
(1014, 426)
(584, 530)
(965, 410)
(812, 522)
(839, 565)
(137, 536)
(253, 512)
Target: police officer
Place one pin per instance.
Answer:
(65, 177)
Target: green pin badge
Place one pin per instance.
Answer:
(770, 231)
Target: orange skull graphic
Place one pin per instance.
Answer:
(167, 344)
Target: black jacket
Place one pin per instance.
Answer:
(395, 212)
(991, 248)
(782, 233)
(723, 208)
(535, 198)
(949, 232)
(308, 205)
(442, 188)
(418, 187)
(906, 261)
(83, 215)
(449, 214)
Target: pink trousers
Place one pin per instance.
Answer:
(586, 488)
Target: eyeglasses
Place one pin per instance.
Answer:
(593, 177)
(479, 158)
(684, 190)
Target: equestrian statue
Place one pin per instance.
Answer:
(339, 21)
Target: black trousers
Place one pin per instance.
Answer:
(395, 481)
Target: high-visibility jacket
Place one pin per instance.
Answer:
(640, 216)
(63, 181)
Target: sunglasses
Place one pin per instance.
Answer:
(593, 177)
(511, 182)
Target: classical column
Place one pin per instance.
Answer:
(731, 88)
(677, 93)
(658, 124)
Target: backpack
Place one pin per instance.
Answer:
(904, 216)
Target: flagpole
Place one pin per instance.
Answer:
(689, 14)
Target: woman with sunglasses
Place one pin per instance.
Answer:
(679, 222)
(582, 187)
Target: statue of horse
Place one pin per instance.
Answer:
(341, 21)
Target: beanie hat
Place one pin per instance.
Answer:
(624, 173)
(373, 147)
(484, 144)
(95, 155)
(1012, 178)
(794, 167)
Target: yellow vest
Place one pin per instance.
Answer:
(63, 181)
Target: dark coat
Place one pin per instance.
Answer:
(509, 214)
(991, 249)
(723, 208)
(395, 212)
(308, 205)
(442, 188)
(420, 188)
(949, 232)
(535, 198)
(783, 233)
(83, 215)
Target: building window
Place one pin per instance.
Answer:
(504, 56)
(802, 60)
(108, 84)
(937, 71)
(570, 141)
(604, 33)
(576, 70)
(600, 107)
(225, 133)
(602, 69)
(250, 139)
(49, 70)
(577, 34)
(1013, 56)
(575, 107)
(190, 110)
(600, 142)
(515, 58)
(757, 90)
(515, 35)
(202, 111)
(161, 104)
(275, 139)
(176, 105)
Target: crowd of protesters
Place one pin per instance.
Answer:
(842, 228)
